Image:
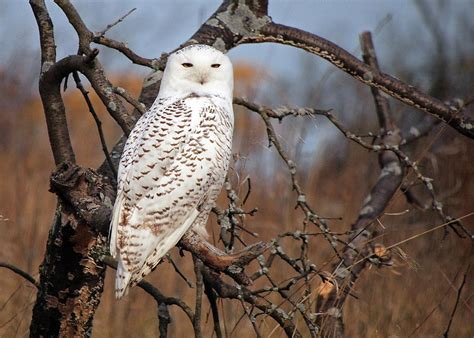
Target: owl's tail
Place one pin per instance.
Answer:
(114, 223)
(122, 280)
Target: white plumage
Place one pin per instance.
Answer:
(174, 162)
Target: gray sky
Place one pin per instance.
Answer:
(159, 26)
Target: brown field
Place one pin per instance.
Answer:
(415, 297)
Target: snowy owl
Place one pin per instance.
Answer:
(174, 162)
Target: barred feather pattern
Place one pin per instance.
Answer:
(170, 174)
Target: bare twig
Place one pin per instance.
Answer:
(98, 122)
(458, 296)
(178, 271)
(225, 290)
(342, 59)
(302, 203)
(199, 291)
(212, 297)
(155, 64)
(119, 20)
(129, 98)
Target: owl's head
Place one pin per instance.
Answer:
(198, 69)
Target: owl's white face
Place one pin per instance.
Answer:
(198, 69)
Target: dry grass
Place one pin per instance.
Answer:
(416, 296)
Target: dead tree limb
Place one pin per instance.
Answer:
(332, 294)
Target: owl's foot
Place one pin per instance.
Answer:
(231, 264)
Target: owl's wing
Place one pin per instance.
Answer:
(161, 193)
(148, 152)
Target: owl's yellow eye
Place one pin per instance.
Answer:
(187, 65)
(215, 65)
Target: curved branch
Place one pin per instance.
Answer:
(20, 273)
(95, 72)
(342, 59)
(83, 33)
(50, 88)
(130, 54)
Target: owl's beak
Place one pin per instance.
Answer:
(203, 79)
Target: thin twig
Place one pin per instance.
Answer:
(212, 297)
(20, 273)
(98, 122)
(199, 290)
(119, 20)
(178, 271)
(281, 112)
(129, 98)
(458, 296)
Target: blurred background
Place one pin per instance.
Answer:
(426, 43)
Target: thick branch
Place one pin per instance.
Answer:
(84, 190)
(45, 28)
(373, 77)
(50, 88)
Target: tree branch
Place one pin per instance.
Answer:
(119, 20)
(458, 296)
(332, 295)
(131, 55)
(225, 290)
(21, 273)
(50, 88)
(97, 122)
(345, 61)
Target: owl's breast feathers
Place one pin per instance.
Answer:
(171, 170)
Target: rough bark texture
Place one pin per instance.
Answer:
(71, 276)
